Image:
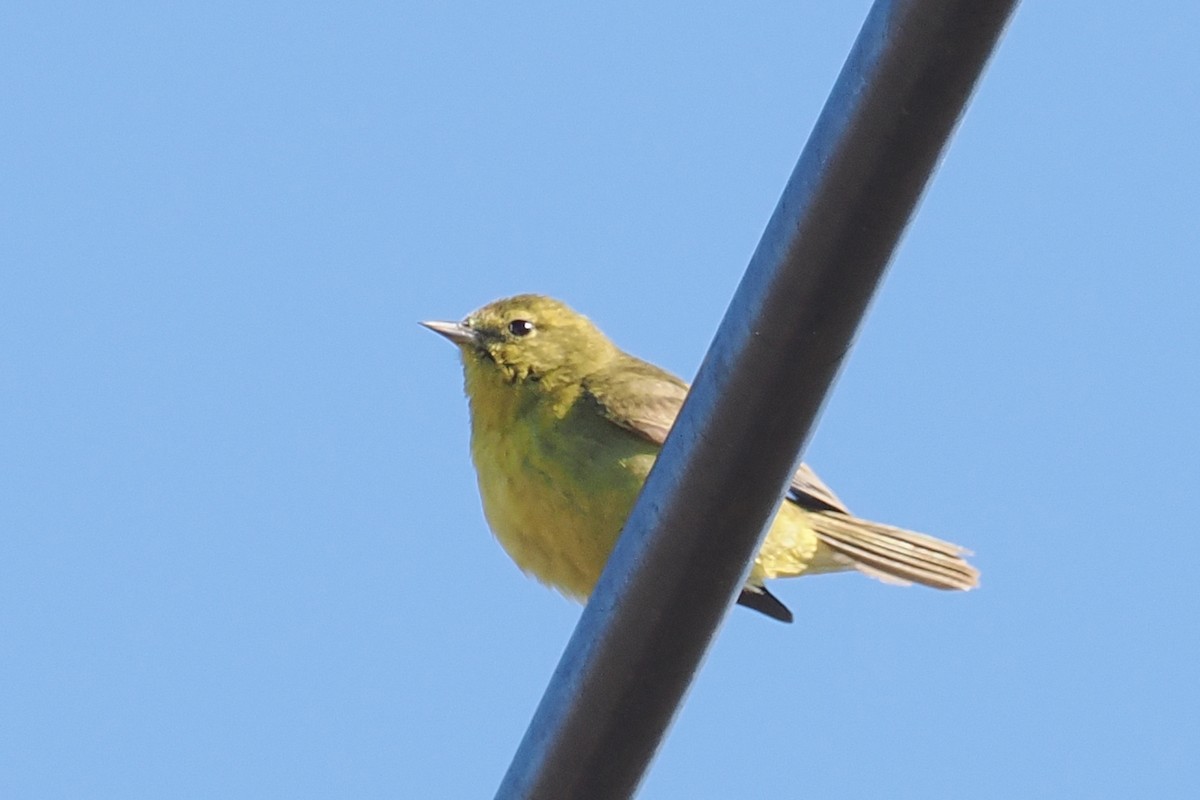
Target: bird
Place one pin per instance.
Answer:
(564, 429)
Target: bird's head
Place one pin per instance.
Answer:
(529, 338)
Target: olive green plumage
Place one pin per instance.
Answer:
(564, 428)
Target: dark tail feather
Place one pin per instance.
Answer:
(894, 554)
(759, 599)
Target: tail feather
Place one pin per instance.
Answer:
(893, 554)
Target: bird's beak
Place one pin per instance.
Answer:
(454, 331)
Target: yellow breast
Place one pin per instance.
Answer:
(557, 482)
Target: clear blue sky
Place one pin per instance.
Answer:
(241, 551)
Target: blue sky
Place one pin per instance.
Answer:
(241, 551)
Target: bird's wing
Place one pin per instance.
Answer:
(810, 492)
(637, 396)
(645, 400)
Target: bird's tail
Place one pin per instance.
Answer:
(894, 555)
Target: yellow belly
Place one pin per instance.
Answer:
(557, 507)
(559, 519)
(558, 482)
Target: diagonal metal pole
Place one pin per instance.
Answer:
(687, 544)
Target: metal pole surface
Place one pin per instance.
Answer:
(686, 547)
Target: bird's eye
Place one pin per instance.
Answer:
(520, 327)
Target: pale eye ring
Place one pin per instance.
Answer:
(520, 327)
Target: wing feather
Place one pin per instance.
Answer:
(644, 399)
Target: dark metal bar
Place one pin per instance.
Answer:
(686, 548)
